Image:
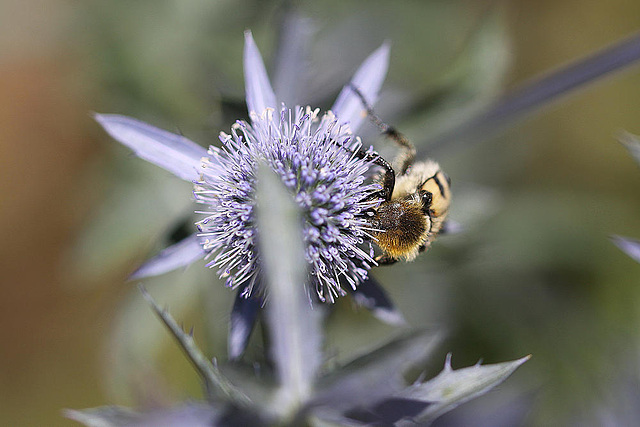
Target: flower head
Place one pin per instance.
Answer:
(315, 158)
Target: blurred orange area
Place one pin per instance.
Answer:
(50, 333)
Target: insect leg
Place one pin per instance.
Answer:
(408, 154)
(389, 177)
(385, 259)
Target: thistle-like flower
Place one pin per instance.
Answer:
(315, 158)
(368, 390)
(313, 154)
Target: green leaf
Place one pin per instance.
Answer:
(294, 327)
(451, 387)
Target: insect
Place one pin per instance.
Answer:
(415, 199)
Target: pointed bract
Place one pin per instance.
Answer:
(368, 79)
(244, 316)
(370, 295)
(629, 246)
(172, 152)
(292, 68)
(105, 416)
(258, 89)
(181, 254)
(632, 143)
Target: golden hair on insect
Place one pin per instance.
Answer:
(415, 202)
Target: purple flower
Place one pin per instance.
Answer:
(314, 157)
(313, 153)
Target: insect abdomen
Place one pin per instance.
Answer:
(403, 228)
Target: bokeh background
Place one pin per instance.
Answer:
(533, 272)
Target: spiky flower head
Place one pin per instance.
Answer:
(315, 157)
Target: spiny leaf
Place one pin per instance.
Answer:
(375, 375)
(213, 379)
(451, 387)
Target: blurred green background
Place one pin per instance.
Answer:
(533, 273)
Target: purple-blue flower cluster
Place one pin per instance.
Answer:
(315, 158)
